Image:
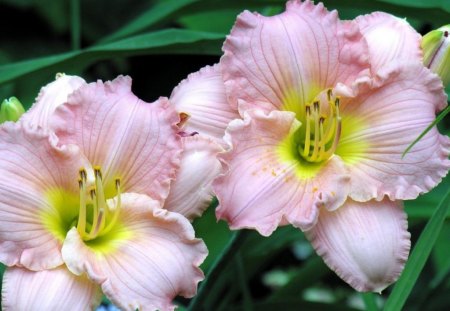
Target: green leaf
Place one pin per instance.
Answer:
(156, 13)
(429, 127)
(217, 268)
(168, 41)
(418, 257)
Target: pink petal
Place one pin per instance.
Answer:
(191, 193)
(158, 262)
(50, 97)
(31, 170)
(128, 138)
(394, 109)
(389, 38)
(366, 244)
(202, 97)
(282, 61)
(260, 190)
(55, 289)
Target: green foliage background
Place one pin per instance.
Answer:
(158, 43)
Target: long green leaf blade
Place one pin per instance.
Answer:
(429, 127)
(150, 17)
(168, 41)
(418, 257)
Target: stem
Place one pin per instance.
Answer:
(75, 24)
(369, 301)
(217, 267)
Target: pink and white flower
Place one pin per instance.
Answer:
(327, 110)
(82, 190)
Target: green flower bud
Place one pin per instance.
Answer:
(436, 52)
(11, 110)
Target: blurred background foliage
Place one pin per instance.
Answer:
(158, 43)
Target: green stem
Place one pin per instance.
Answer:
(75, 24)
(217, 267)
(369, 301)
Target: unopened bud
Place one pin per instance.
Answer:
(11, 110)
(436, 52)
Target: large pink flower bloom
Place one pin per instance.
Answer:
(327, 108)
(82, 189)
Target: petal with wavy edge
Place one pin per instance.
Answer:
(285, 60)
(55, 289)
(366, 244)
(394, 108)
(128, 138)
(389, 38)
(202, 97)
(50, 97)
(191, 193)
(32, 168)
(159, 262)
(261, 189)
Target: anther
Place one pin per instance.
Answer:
(316, 106)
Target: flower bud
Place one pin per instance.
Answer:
(11, 110)
(436, 50)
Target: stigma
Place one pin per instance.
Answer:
(96, 217)
(320, 137)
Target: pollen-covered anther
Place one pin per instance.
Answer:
(322, 131)
(95, 217)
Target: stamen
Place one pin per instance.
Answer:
(101, 202)
(316, 131)
(116, 211)
(326, 131)
(81, 226)
(308, 132)
(103, 217)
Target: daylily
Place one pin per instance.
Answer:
(82, 189)
(327, 108)
(205, 113)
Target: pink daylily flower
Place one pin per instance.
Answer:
(205, 113)
(327, 111)
(82, 192)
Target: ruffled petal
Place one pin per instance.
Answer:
(50, 97)
(387, 114)
(55, 289)
(191, 193)
(33, 174)
(158, 262)
(265, 185)
(128, 138)
(202, 98)
(389, 38)
(284, 61)
(366, 244)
